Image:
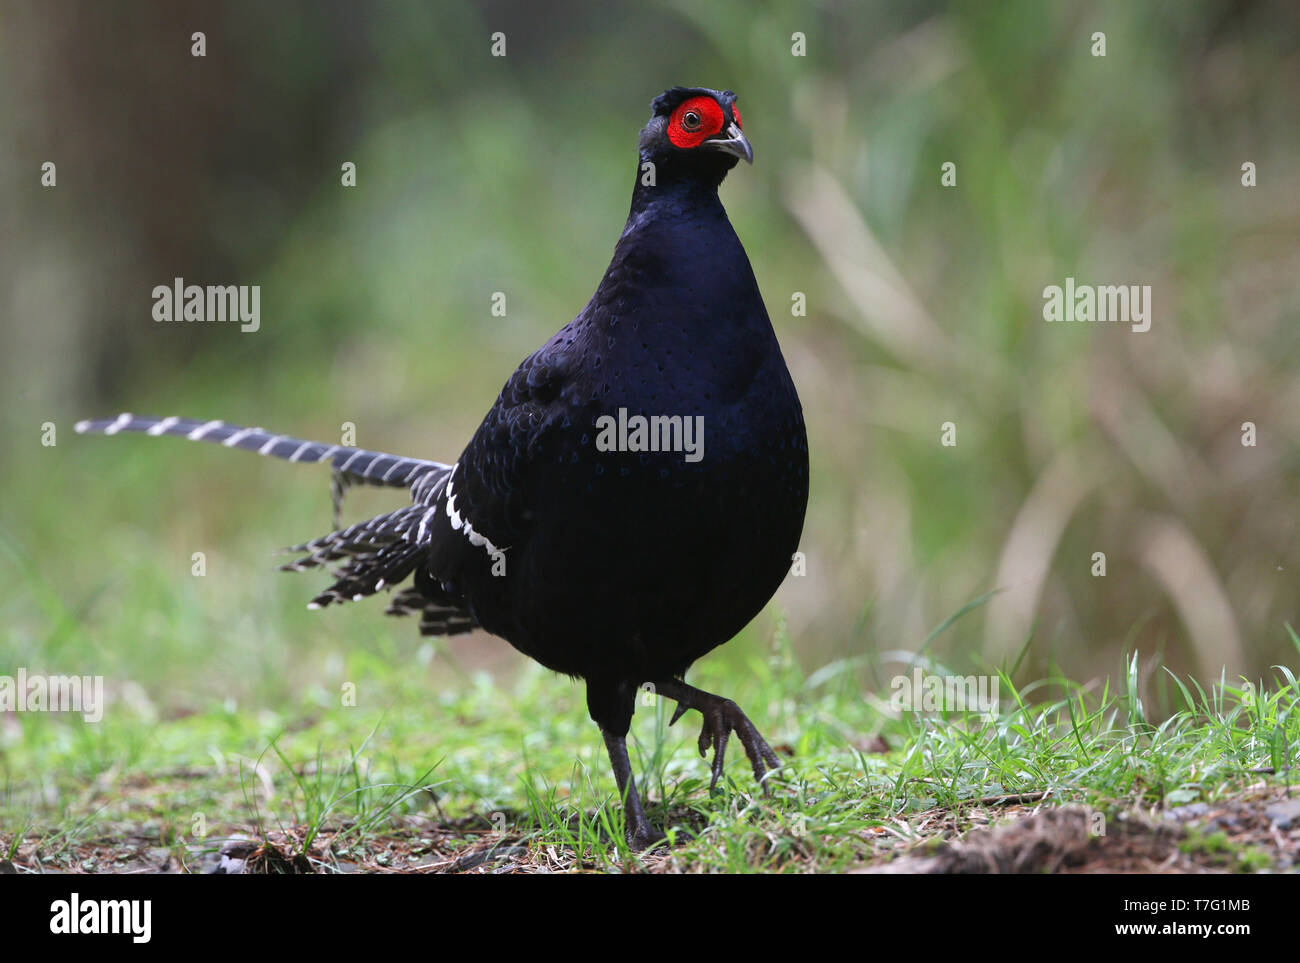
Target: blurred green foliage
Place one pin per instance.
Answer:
(479, 174)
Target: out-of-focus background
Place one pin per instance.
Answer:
(479, 174)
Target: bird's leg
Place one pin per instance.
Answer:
(722, 717)
(639, 833)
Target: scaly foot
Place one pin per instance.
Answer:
(722, 717)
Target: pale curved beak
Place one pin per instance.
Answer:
(735, 143)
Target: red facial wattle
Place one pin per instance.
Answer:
(708, 119)
(735, 112)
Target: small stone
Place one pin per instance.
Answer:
(1284, 814)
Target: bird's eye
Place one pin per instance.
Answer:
(694, 121)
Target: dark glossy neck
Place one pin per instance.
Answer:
(674, 189)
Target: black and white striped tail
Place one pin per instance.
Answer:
(376, 554)
(355, 464)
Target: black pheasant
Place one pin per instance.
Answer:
(636, 493)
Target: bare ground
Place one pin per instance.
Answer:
(1253, 831)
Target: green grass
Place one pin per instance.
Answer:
(416, 768)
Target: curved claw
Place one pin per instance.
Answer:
(723, 717)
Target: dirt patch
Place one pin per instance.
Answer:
(1243, 834)
(1258, 830)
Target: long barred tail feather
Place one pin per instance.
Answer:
(376, 554)
(354, 464)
